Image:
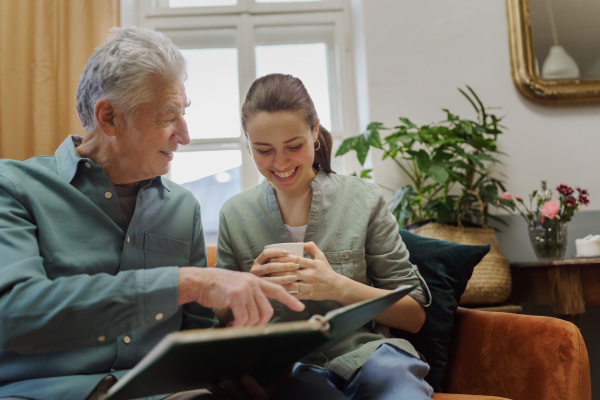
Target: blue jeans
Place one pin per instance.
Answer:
(388, 374)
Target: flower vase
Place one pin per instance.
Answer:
(549, 239)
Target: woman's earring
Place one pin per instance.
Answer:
(318, 145)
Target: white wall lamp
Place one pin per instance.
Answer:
(559, 64)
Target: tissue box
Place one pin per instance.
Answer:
(588, 246)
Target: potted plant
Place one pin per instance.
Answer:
(450, 168)
(448, 164)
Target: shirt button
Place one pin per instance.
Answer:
(101, 338)
(108, 195)
(88, 165)
(159, 316)
(127, 339)
(128, 239)
(346, 256)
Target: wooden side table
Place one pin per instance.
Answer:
(566, 285)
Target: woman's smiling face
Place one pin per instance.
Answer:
(282, 145)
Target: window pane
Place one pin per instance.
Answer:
(213, 177)
(307, 61)
(200, 3)
(212, 87)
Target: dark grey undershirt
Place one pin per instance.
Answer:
(127, 196)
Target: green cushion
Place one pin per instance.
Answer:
(446, 267)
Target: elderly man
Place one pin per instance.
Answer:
(100, 255)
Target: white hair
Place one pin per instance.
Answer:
(125, 70)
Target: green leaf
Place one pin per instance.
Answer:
(487, 189)
(481, 109)
(407, 122)
(347, 145)
(477, 110)
(486, 157)
(366, 173)
(475, 160)
(423, 160)
(375, 126)
(373, 139)
(467, 126)
(362, 149)
(449, 116)
(401, 204)
(442, 209)
(438, 173)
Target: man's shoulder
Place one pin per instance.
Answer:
(28, 163)
(17, 169)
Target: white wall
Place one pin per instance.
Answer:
(418, 52)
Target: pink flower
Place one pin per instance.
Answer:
(506, 196)
(550, 209)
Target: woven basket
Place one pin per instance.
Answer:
(491, 279)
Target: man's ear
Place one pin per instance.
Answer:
(104, 113)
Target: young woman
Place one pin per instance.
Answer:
(355, 250)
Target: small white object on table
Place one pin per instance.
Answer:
(588, 246)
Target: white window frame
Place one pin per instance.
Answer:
(244, 18)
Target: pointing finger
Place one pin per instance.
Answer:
(278, 293)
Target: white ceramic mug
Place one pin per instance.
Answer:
(295, 249)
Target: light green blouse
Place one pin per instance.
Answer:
(350, 222)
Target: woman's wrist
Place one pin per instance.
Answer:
(345, 290)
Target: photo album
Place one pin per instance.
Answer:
(188, 360)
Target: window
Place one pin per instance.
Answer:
(228, 43)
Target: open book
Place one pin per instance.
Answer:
(188, 360)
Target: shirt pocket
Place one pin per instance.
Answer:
(350, 263)
(162, 251)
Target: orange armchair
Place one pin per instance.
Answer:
(518, 357)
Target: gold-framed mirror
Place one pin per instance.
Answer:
(525, 67)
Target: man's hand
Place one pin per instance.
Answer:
(245, 294)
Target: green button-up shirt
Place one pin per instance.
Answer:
(81, 294)
(350, 222)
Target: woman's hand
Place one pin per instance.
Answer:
(277, 266)
(308, 278)
(316, 278)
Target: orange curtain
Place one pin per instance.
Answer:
(44, 45)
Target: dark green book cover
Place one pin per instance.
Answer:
(188, 360)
